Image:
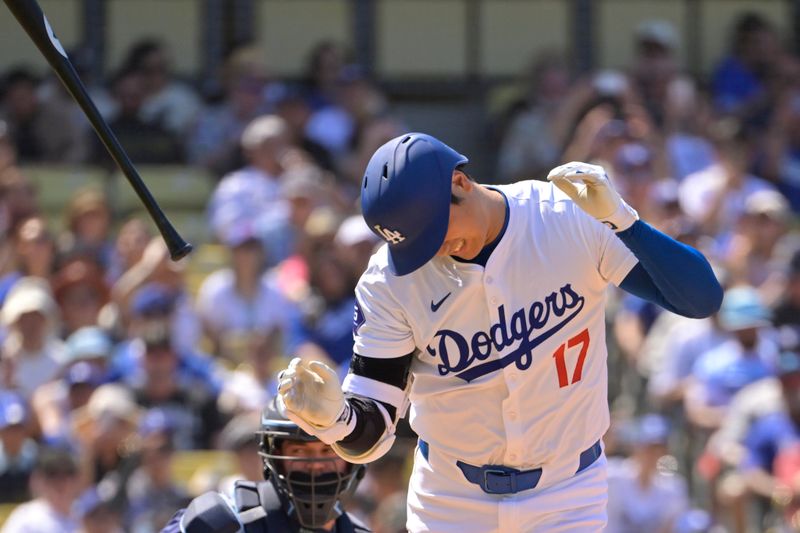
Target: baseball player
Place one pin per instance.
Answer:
(484, 311)
(305, 486)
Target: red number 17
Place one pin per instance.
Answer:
(581, 339)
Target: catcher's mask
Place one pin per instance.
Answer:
(312, 495)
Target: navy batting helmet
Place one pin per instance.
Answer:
(405, 197)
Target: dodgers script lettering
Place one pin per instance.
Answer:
(462, 354)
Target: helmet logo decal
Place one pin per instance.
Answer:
(391, 236)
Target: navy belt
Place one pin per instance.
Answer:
(498, 479)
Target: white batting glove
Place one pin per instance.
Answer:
(589, 187)
(310, 395)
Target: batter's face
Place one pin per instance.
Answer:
(468, 228)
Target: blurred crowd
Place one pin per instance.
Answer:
(113, 364)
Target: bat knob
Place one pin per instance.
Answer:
(176, 253)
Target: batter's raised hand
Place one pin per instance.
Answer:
(589, 187)
(311, 396)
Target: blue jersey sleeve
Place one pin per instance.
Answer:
(671, 274)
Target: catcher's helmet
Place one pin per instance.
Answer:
(312, 498)
(405, 197)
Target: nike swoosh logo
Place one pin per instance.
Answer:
(435, 306)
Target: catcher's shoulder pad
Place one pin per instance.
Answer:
(210, 513)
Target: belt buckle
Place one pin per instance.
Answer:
(488, 471)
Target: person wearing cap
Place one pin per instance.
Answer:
(241, 300)
(161, 309)
(746, 357)
(103, 430)
(254, 188)
(285, 232)
(151, 492)
(665, 92)
(164, 379)
(57, 485)
(759, 246)
(84, 368)
(642, 496)
(156, 273)
(32, 353)
(354, 243)
(18, 449)
(485, 312)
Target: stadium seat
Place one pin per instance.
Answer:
(56, 184)
(174, 187)
(191, 467)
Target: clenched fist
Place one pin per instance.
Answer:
(589, 187)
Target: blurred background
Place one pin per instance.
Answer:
(129, 383)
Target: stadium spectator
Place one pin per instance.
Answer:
(96, 512)
(104, 430)
(84, 368)
(131, 242)
(32, 352)
(642, 495)
(151, 491)
(748, 356)
(322, 328)
(252, 382)
(296, 110)
(18, 199)
(242, 300)
(40, 132)
(81, 292)
(156, 270)
(168, 102)
(56, 484)
(656, 73)
(759, 247)
(714, 197)
(740, 81)
(87, 224)
(144, 141)
(254, 189)
(34, 253)
(188, 403)
(775, 437)
(18, 449)
(214, 143)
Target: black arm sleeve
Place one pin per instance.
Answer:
(370, 424)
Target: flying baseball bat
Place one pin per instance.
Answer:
(33, 20)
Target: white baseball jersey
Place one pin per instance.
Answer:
(510, 359)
